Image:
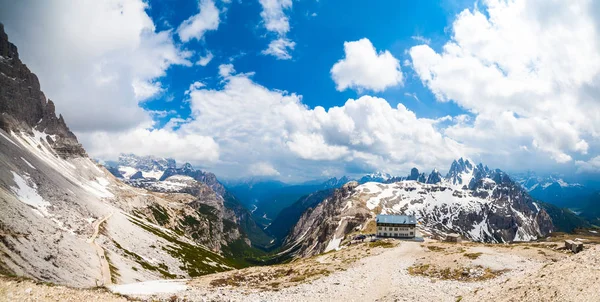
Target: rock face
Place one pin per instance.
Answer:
(204, 177)
(434, 178)
(479, 203)
(24, 106)
(322, 228)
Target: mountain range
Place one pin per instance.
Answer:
(472, 200)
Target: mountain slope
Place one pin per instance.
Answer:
(288, 217)
(472, 200)
(67, 220)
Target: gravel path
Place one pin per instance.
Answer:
(382, 277)
(105, 268)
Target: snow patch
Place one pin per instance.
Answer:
(29, 164)
(127, 171)
(150, 287)
(26, 192)
(8, 139)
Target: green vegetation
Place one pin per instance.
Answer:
(381, 243)
(197, 260)
(467, 274)
(435, 248)
(161, 268)
(564, 220)
(160, 214)
(114, 272)
(273, 278)
(472, 256)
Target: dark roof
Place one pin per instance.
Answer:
(397, 219)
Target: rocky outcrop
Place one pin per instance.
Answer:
(435, 177)
(323, 227)
(24, 107)
(204, 177)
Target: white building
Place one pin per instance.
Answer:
(397, 226)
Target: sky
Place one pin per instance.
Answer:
(307, 89)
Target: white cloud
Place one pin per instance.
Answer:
(421, 39)
(195, 27)
(97, 56)
(525, 70)
(203, 61)
(276, 21)
(363, 68)
(193, 86)
(159, 142)
(274, 17)
(262, 169)
(253, 124)
(590, 166)
(225, 70)
(280, 48)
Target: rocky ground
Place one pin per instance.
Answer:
(384, 271)
(18, 289)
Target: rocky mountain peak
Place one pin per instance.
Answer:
(335, 182)
(414, 174)
(24, 106)
(434, 177)
(187, 167)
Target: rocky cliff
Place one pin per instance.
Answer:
(24, 106)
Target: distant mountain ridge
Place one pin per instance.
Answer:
(553, 189)
(162, 175)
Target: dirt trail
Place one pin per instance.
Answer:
(105, 268)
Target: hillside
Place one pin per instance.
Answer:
(68, 220)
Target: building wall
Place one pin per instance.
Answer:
(399, 231)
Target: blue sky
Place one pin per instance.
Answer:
(391, 25)
(307, 89)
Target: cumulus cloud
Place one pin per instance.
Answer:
(280, 48)
(364, 68)
(158, 142)
(274, 17)
(276, 21)
(262, 169)
(195, 27)
(525, 70)
(203, 61)
(254, 124)
(95, 56)
(226, 69)
(590, 166)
